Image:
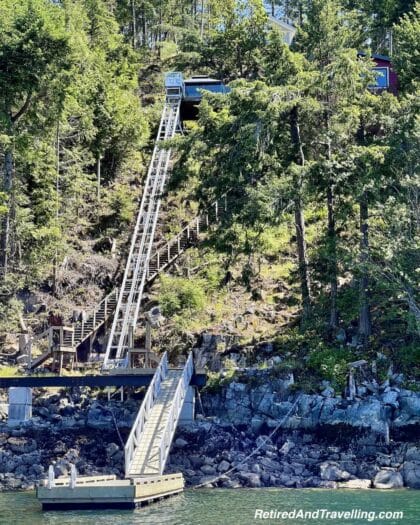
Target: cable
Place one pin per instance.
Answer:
(286, 417)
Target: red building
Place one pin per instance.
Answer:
(386, 78)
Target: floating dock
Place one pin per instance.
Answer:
(93, 492)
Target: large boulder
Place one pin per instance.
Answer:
(22, 445)
(355, 484)
(180, 443)
(413, 454)
(223, 466)
(388, 479)
(250, 478)
(409, 411)
(112, 449)
(208, 470)
(411, 473)
(331, 471)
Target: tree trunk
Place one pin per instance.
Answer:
(133, 15)
(365, 328)
(305, 286)
(202, 21)
(7, 188)
(332, 260)
(299, 158)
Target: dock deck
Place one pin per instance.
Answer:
(108, 492)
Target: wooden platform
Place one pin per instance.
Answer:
(108, 492)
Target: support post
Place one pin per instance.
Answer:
(51, 477)
(20, 405)
(188, 408)
(148, 344)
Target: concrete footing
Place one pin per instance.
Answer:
(20, 405)
(188, 409)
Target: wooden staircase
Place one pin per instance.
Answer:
(160, 260)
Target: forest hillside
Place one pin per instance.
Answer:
(317, 255)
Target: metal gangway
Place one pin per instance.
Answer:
(148, 445)
(121, 338)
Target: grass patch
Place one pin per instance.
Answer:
(8, 371)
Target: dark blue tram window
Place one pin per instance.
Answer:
(194, 89)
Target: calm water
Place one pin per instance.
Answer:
(223, 507)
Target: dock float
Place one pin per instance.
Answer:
(93, 492)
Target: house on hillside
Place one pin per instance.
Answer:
(387, 79)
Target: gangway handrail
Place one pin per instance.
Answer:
(175, 412)
(143, 413)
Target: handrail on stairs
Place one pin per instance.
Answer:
(190, 232)
(175, 412)
(143, 413)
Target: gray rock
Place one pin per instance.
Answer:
(206, 481)
(355, 484)
(331, 471)
(388, 479)
(180, 443)
(208, 470)
(197, 461)
(328, 392)
(22, 445)
(112, 449)
(223, 466)
(325, 484)
(411, 472)
(264, 442)
(256, 423)
(390, 398)
(43, 412)
(413, 454)
(37, 471)
(250, 478)
(61, 468)
(287, 447)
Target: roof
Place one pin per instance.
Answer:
(283, 25)
(376, 55)
(201, 79)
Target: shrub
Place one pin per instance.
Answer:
(179, 294)
(331, 364)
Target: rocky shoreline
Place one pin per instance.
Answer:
(207, 452)
(324, 442)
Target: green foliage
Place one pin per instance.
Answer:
(181, 295)
(68, 97)
(406, 55)
(217, 380)
(407, 360)
(331, 364)
(8, 371)
(10, 309)
(121, 205)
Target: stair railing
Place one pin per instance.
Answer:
(161, 259)
(92, 316)
(144, 411)
(175, 412)
(167, 253)
(84, 332)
